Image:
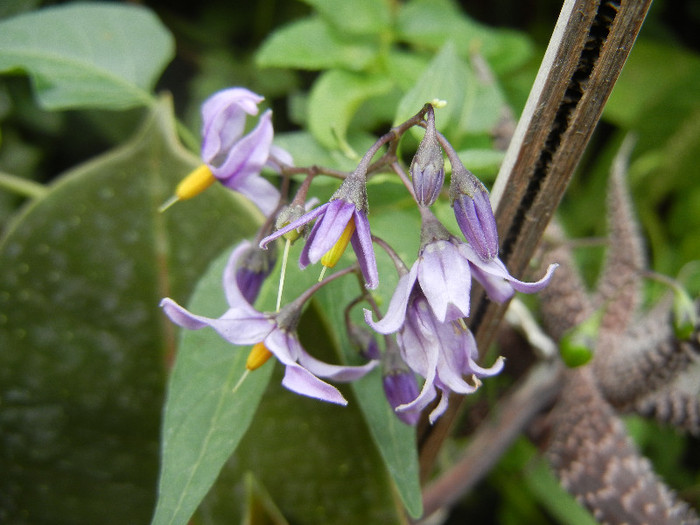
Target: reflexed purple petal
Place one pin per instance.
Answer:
(328, 229)
(248, 155)
(486, 372)
(536, 286)
(261, 192)
(223, 120)
(238, 327)
(396, 313)
(301, 221)
(281, 156)
(362, 244)
(445, 279)
(182, 317)
(286, 347)
(299, 380)
(440, 408)
(334, 372)
(497, 281)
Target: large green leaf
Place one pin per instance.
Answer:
(87, 55)
(311, 44)
(84, 345)
(205, 415)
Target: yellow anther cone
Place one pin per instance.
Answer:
(332, 256)
(192, 185)
(258, 356)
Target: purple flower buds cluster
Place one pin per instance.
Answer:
(431, 301)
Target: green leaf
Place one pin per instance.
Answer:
(85, 346)
(334, 99)
(357, 17)
(205, 415)
(311, 44)
(87, 55)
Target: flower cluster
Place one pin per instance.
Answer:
(424, 328)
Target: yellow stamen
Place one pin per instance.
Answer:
(332, 256)
(192, 185)
(258, 356)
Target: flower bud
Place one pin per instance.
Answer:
(428, 166)
(401, 388)
(254, 266)
(363, 341)
(473, 212)
(399, 382)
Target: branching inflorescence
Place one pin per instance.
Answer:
(428, 308)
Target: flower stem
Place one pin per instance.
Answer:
(283, 272)
(21, 186)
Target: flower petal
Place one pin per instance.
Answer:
(364, 250)
(328, 229)
(440, 408)
(261, 192)
(396, 313)
(236, 326)
(223, 120)
(278, 155)
(248, 155)
(298, 379)
(445, 279)
(301, 221)
(285, 346)
(335, 372)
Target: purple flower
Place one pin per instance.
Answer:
(236, 159)
(442, 353)
(241, 324)
(444, 270)
(345, 215)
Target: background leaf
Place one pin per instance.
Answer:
(87, 55)
(357, 17)
(445, 78)
(311, 44)
(84, 345)
(335, 98)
